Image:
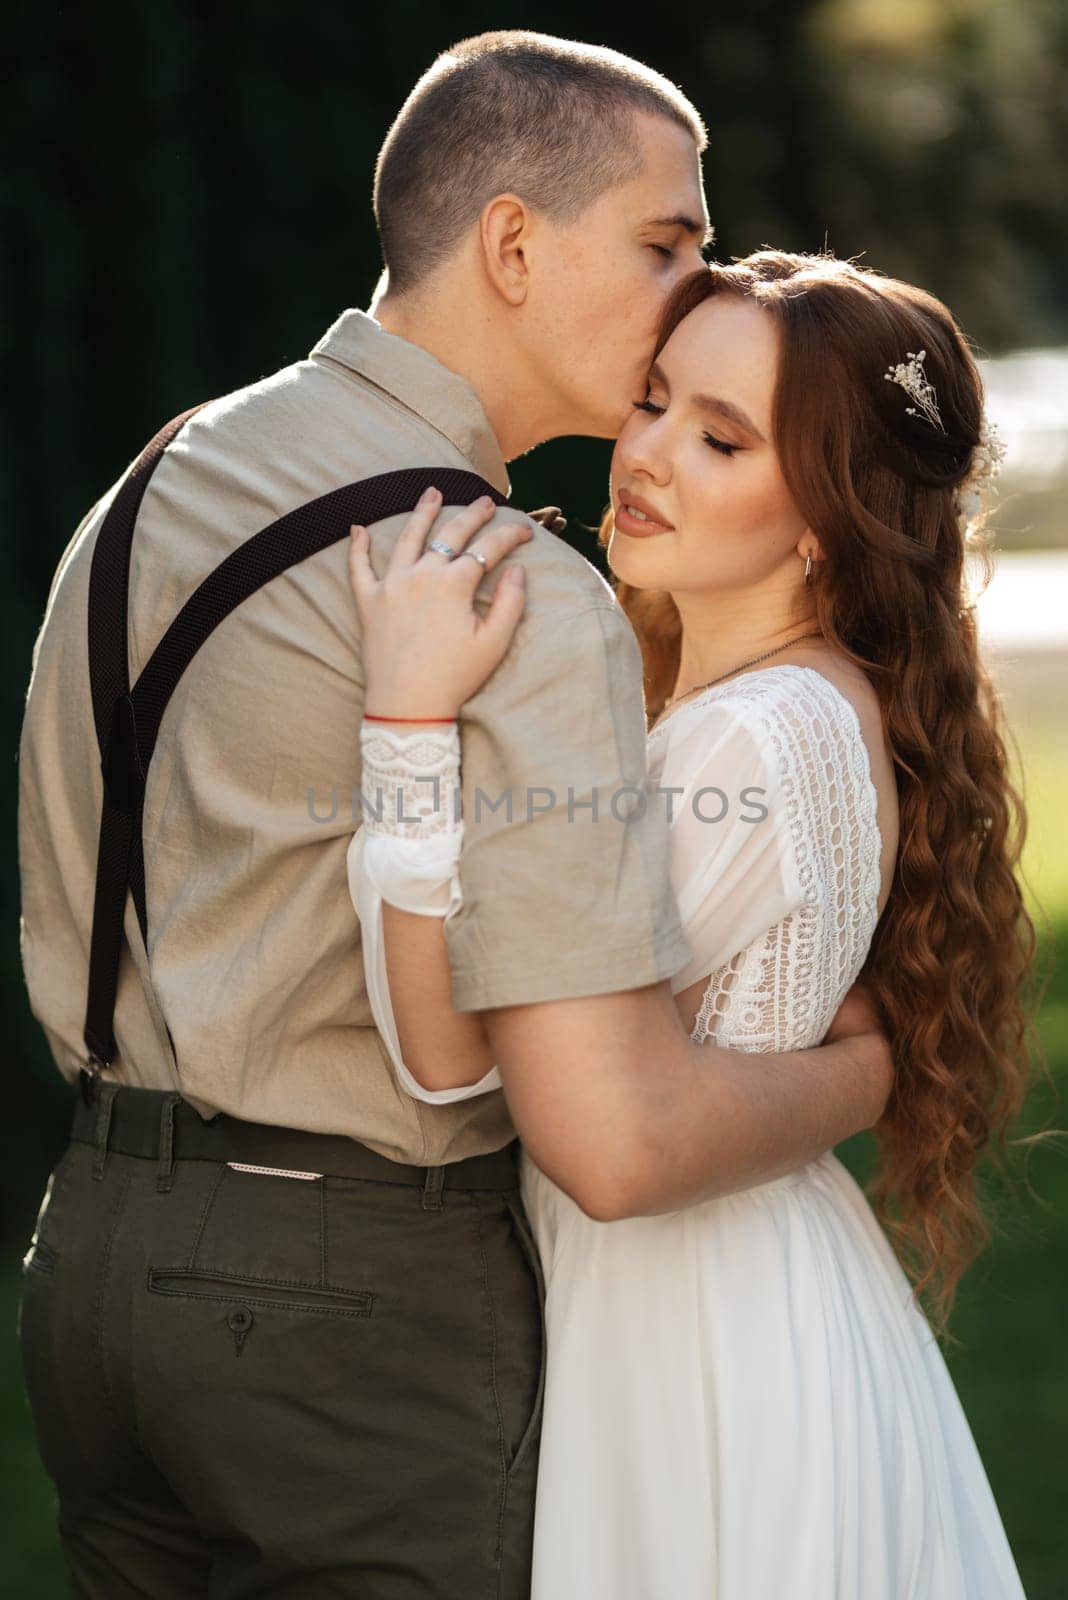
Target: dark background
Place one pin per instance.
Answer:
(186, 207)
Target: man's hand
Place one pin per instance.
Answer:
(856, 1014)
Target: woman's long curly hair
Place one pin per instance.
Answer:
(876, 485)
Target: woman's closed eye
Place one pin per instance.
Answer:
(721, 445)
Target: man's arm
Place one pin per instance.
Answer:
(620, 1108)
(615, 1101)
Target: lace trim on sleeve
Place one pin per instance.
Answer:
(715, 1002)
(410, 781)
(782, 992)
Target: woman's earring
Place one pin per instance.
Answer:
(808, 569)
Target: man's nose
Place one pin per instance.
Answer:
(690, 261)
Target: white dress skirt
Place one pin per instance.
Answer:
(742, 1400)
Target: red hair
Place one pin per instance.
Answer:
(954, 942)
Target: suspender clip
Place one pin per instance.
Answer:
(90, 1078)
(124, 776)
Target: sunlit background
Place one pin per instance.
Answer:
(186, 207)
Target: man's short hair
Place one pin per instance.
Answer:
(551, 120)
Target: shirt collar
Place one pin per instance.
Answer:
(420, 382)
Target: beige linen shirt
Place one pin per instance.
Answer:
(250, 998)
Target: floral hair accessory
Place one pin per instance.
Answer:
(971, 494)
(974, 489)
(915, 382)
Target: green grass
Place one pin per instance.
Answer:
(1043, 752)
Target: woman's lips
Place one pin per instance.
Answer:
(635, 527)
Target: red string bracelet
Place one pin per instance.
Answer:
(369, 717)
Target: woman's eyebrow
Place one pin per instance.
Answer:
(708, 402)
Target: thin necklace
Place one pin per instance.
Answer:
(741, 665)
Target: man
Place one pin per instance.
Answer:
(283, 1333)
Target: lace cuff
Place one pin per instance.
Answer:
(410, 781)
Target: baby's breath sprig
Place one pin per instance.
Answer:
(913, 379)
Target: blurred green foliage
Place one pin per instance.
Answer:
(185, 206)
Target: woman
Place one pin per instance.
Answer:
(743, 1398)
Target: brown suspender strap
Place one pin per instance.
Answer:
(108, 604)
(128, 720)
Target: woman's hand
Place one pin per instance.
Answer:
(426, 649)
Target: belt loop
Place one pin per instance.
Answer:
(106, 1092)
(165, 1175)
(432, 1188)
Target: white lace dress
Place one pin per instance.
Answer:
(742, 1400)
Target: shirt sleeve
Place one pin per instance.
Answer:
(418, 875)
(565, 867)
(733, 866)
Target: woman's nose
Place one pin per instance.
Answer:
(647, 456)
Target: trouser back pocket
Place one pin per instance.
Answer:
(202, 1283)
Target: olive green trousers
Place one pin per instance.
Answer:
(320, 1378)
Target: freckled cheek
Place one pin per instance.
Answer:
(733, 531)
(751, 507)
(566, 302)
(603, 334)
(631, 304)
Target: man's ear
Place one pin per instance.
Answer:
(504, 228)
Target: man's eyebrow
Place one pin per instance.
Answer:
(702, 230)
(707, 402)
